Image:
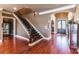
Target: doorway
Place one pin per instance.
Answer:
(61, 26)
(7, 27)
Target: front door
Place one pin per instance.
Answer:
(61, 26)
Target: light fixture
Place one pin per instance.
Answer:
(57, 9)
(34, 13)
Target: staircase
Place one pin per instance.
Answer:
(34, 34)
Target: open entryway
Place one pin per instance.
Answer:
(8, 27)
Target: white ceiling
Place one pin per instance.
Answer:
(36, 7)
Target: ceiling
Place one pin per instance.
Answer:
(36, 7)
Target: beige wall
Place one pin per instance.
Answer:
(20, 31)
(41, 23)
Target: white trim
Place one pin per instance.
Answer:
(78, 50)
(8, 17)
(47, 38)
(14, 23)
(21, 37)
(32, 44)
(57, 9)
(6, 11)
(1, 29)
(14, 28)
(0, 41)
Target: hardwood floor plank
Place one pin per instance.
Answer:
(20, 46)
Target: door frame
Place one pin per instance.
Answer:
(14, 25)
(61, 24)
(9, 33)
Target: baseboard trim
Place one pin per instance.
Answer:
(32, 44)
(18, 36)
(0, 41)
(47, 38)
(78, 50)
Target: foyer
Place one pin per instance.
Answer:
(39, 29)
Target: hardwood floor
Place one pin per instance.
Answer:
(20, 46)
